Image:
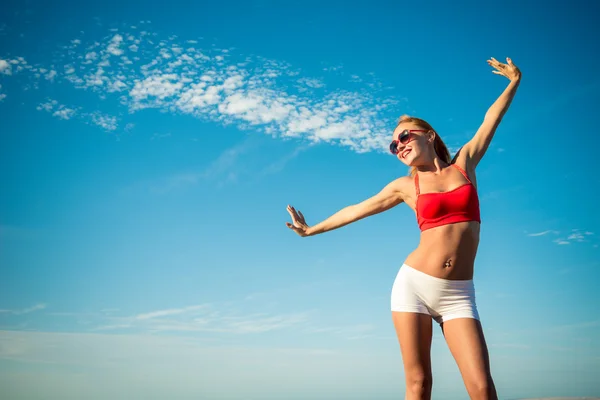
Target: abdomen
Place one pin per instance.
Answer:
(447, 251)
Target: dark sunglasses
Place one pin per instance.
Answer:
(404, 138)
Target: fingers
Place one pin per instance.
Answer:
(296, 215)
(493, 62)
(296, 219)
(292, 213)
(301, 216)
(299, 230)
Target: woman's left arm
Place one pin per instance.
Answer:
(475, 149)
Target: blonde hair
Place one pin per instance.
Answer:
(438, 144)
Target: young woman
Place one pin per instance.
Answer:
(436, 279)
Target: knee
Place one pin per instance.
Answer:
(418, 384)
(482, 389)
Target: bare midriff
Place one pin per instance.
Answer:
(447, 251)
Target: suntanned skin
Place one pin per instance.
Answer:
(447, 251)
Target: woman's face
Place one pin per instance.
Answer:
(411, 143)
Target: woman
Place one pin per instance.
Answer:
(436, 279)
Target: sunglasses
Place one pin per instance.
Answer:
(404, 138)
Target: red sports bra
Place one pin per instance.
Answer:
(457, 205)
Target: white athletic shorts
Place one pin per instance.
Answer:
(417, 292)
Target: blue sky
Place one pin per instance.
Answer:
(148, 155)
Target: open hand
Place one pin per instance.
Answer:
(509, 70)
(298, 224)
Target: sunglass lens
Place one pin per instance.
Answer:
(404, 137)
(394, 147)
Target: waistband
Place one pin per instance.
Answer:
(434, 279)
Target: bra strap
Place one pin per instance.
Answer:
(462, 171)
(417, 183)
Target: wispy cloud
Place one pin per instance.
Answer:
(104, 121)
(207, 319)
(61, 111)
(577, 326)
(158, 136)
(352, 332)
(511, 346)
(575, 236)
(172, 311)
(37, 307)
(145, 71)
(229, 167)
(572, 236)
(202, 318)
(280, 163)
(155, 362)
(543, 233)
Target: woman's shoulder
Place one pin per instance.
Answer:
(404, 185)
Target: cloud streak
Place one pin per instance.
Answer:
(36, 307)
(542, 233)
(172, 311)
(204, 318)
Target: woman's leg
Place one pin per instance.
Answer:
(467, 345)
(414, 335)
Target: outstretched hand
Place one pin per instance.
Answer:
(509, 70)
(298, 224)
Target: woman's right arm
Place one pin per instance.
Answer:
(390, 196)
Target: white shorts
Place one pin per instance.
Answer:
(417, 292)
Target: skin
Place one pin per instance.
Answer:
(446, 252)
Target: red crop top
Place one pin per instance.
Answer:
(457, 205)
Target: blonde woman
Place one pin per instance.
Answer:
(435, 281)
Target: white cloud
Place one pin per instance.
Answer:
(58, 110)
(91, 56)
(542, 233)
(113, 47)
(51, 75)
(311, 83)
(37, 307)
(576, 237)
(221, 86)
(47, 106)
(107, 122)
(173, 311)
(64, 113)
(161, 86)
(5, 67)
